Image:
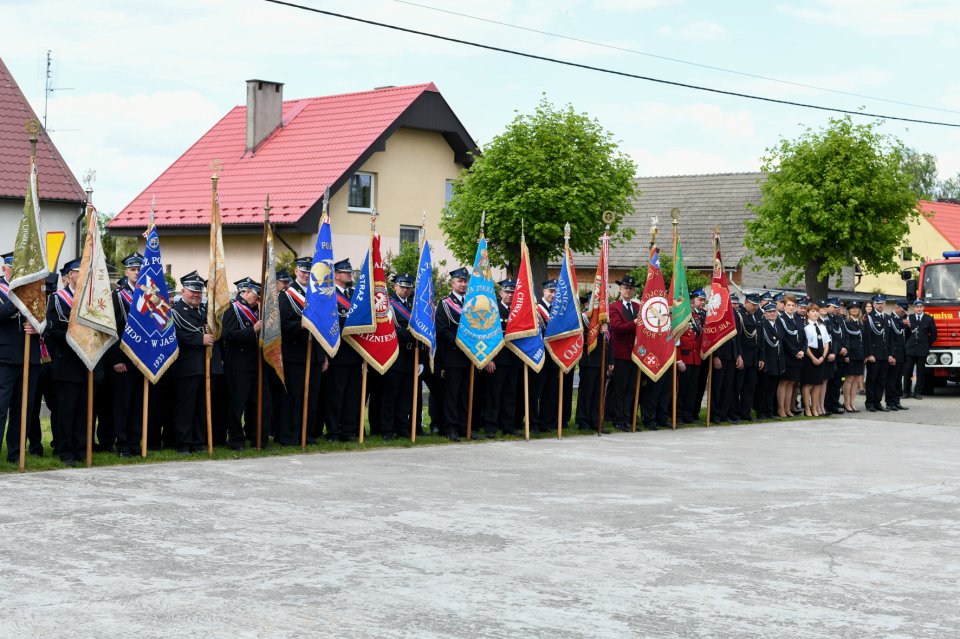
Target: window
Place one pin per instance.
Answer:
(447, 195)
(361, 193)
(409, 234)
(906, 254)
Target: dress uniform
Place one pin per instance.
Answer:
(724, 405)
(623, 315)
(500, 400)
(747, 318)
(698, 300)
(770, 362)
(289, 419)
(44, 389)
(341, 404)
(451, 360)
(241, 354)
(126, 380)
(188, 372)
(69, 372)
(838, 348)
(396, 400)
(688, 352)
(876, 342)
(893, 385)
(543, 385)
(593, 374)
(12, 334)
(922, 334)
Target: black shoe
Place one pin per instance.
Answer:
(434, 430)
(734, 420)
(236, 447)
(311, 441)
(389, 437)
(453, 436)
(883, 409)
(917, 396)
(621, 427)
(124, 453)
(476, 435)
(183, 451)
(69, 462)
(871, 409)
(901, 407)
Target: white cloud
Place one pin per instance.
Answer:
(709, 117)
(686, 161)
(697, 31)
(633, 5)
(892, 17)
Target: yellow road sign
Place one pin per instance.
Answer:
(54, 245)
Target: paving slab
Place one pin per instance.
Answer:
(847, 527)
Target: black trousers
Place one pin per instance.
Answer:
(242, 413)
(688, 408)
(396, 400)
(103, 413)
(500, 400)
(723, 400)
(893, 390)
(435, 398)
(911, 362)
(834, 385)
(655, 401)
(702, 372)
(538, 383)
(621, 395)
(72, 420)
(549, 395)
(746, 380)
(456, 388)
(127, 408)
(11, 396)
(875, 382)
(43, 393)
(288, 428)
(190, 411)
(767, 395)
(588, 398)
(374, 395)
(341, 405)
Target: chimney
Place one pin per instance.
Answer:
(264, 111)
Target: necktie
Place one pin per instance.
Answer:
(629, 307)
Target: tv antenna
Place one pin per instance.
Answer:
(49, 88)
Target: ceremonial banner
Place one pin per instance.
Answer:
(92, 328)
(422, 325)
(720, 325)
(479, 334)
(30, 261)
(270, 338)
(564, 335)
(320, 311)
(522, 335)
(653, 348)
(679, 295)
(598, 311)
(369, 327)
(218, 294)
(150, 338)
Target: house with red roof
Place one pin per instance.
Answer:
(393, 149)
(62, 200)
(937, 230)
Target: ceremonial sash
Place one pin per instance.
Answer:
(66, 296)
(400, 308)
(127, 295)
(5, 290)
(453, 305)
(544, 313)
(248, 312)
(342, 300)
(297, 298)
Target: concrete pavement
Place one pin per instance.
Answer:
(847, 527)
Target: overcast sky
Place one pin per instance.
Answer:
(147, 79)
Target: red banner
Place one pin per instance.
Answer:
(523, 311)
(598, 311)
(653, 348)
(379, 348)
(720, 325)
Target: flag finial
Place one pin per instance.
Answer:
(216, 166)
(326, 200)
(675, 216)
(566, 233)
(153, 206)
(267, 208)
(483, 221)
(522, 235)
(373, 221)
(653, 229)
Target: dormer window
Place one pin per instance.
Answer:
(361, 193)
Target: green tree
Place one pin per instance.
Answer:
(407, 260)
(922, 169)
(950, 188)
(546, 169)
(832, 197)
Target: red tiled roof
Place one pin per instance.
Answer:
(56, 180)
(946, 219)
(320, 139)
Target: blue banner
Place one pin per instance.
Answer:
(530, 350)
(362, 317)
(320, 309)
(422, 325)
(479, 334)
(150, 338)
(565, 317)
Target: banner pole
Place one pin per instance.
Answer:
(416, 386)
(89, 419)
(674, 408)
(25, 387)
(709, 387)
(209, 356)
(306, 396)
(470, 404)
(146, 404)
(259, 397)
(603, 380)
(560, 405)
(526, 402)
(675, 215)
(636, 400)
(363, 397)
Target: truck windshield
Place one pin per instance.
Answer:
(941, 282)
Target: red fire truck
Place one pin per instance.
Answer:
(938, 285)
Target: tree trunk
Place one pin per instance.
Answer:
(817, 289)
(538, 268)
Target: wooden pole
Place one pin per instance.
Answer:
(709, 387)
(209, 356)
(636, 400)
(674, 408)
(89, 419)
(259, 398)
(414, 414)
(306, 396)
(470, 404)
(603, 380)
(675, 216)
(23, 401)
(526, 402)
(146, 403)
(363, 397)
(560, 406)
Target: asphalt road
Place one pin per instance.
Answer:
(847, 527)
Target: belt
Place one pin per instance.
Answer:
(682, 352)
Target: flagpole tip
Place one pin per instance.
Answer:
(675, 215)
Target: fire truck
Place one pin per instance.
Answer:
(938, 285)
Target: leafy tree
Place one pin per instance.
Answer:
(695, 279)
(922, 169)
(407, 260)
(950, 188)
(546, 169)
(832, 196)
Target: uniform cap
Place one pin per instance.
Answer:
(72, 265)
(283, 276)
(306, 263)
(767, 296)
(193, 282)
(734, 299)
(769, 306)
(460, 274)
(404, 279)
(753, 298)
(134, 259)
(549, 285)
(879, 299)
(343, 266)
(918, 302)
(507, 285)
(698, 293)
(247, 284)
(833, 301)
(8, 258)
(778, 297)
(902, 304)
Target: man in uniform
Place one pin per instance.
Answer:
(341, 406)
(688, 370)
(295, 337)
(834, 323)
(188, 372)
(624, 315)
(893, 385)
(770, 363)
(500, 401)
(748, 318)
(13, 330)
(543, 385)
(876, 344)
(396, 400)
(922, 333)
(698, 302)
(126, 380)
(284, 280)
(452, 362)
(726, 360)
(593, 373)
(241, 355)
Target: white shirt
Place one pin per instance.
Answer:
(811, 329)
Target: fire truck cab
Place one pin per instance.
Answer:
(938, 285)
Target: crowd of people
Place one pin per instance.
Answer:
(786, 348)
